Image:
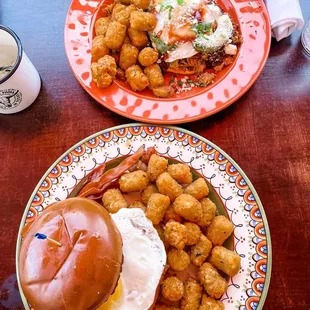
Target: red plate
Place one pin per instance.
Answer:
(230, 84)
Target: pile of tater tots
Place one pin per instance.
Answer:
(121, 48)
(188, 224)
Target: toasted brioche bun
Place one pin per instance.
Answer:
(84, 271)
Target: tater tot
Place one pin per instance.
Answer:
(138, 38)
(115, 35)
(142, 21)
(148, 192)
(155, 76)
(113, 200)
(118, 7)
(141, 4)
(188, 207)
(128, 56)
(107, 9)
(99, 49)
(219, 230)
(101, 25)
(214, 284)
(171, 215)
(181, 173)
(147, 56)
(133, 181)
(197, 189)
(225, 260)
(172, 289)
(193, 233)
(138, 204)
(192, 295)
(157, 165)
(178, 260)
(176, 234)
(104, 71)
(200, 251)
(136, 78)
(156, 207)
(208, 212)
(208, 303)
(100, 76)
(169, 186)
(164, 91)
(126, 2)
(122, 13)
(164, 307)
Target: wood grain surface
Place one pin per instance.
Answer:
(267, 132)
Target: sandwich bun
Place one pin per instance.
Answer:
(84, 271)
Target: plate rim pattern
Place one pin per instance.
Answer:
(252, 302)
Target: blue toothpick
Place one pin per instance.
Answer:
(43, 237)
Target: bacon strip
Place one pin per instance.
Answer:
(94, 175)
(95, 189)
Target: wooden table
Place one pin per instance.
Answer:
(267, 132)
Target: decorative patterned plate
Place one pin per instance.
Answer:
(236, 195)
(230, 84)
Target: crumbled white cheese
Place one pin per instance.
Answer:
(231, 49)
(213, 13)
(186, 86)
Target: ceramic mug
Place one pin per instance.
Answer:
(305, 38)
(20, 82)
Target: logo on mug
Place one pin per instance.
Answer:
(10, 98)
